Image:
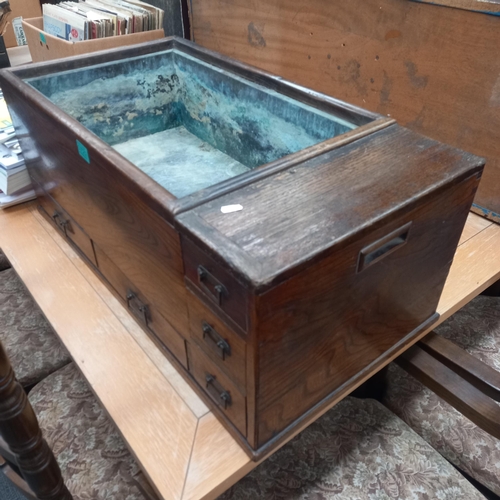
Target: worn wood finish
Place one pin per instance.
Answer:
(324, 200)
(459, 393)
(299, 277)
(264, 171)
(355, 213)
(19, 428)
(391, 56)
(335, 334)
(235, 303)
(479, 374)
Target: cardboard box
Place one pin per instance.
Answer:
(26, 9)
(45, 47)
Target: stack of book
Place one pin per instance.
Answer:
(15, 183)
(90, 19)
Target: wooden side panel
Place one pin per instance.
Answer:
(321, 329)
(435, 69)
(139, 242)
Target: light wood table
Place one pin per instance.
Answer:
(179, 443)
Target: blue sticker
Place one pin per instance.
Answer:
(42, 38)
(83, 151)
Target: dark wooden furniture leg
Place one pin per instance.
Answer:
(19, 428)
(462, 380)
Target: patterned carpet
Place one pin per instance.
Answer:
(7, 491)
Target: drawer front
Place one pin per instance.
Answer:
(145, 313)
(68, 227)
(224, 347)
(220, 289)
(219, 388)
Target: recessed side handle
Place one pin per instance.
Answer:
(383, 247)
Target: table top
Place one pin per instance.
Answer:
(182, 448)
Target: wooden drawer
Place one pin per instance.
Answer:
(221, 390)
(224, 347)
(68, 227)
(147, 314)
(220, 288)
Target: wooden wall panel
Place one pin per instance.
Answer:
(435, 69)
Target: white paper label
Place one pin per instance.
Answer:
(227, 209)
(17, 26)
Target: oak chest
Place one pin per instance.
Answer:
(275, 242)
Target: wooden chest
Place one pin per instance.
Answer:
(275, 242)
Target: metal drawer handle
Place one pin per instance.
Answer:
(138, 308)
(211, 286)
(221, 396)
(215, 341)
(60, 222)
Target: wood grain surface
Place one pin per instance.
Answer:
(474, 268)
(343, 320)
(435, 69)
(217, 461)
(474, 226)
(346, 255)
(317, 207)
(184, 450)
